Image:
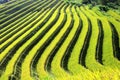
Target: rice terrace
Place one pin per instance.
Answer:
(60, 40)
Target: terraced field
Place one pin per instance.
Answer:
(55, 40)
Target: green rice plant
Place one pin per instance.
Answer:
(74, 58)
(21, 22)
(113, 21)
(113, 14)
(9, 29)
(33, 51)
(33, 11)
(49, 3)
(108, 52)
(100, 35)
(91, 11)
(4, 15)
(4, 12)
(42, 66)
(8, 17)
(14, 38)
(116, 32)
(57, 54)
(28, 28)
(10, 6)
(5, 22)
(9, 2)
(97, 12)
(115, 41)
(54, 40)
(91, 51)
(10, 34)
(7, 40)
(10, 67)
(108, 57)
(19, 62)
(68, 51)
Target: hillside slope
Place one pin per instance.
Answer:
(57, 40)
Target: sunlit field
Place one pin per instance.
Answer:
(58, 40)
